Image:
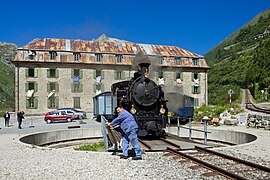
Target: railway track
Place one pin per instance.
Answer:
(219, 165)
(251, 106)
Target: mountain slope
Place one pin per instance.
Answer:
(241, 60)
(7, 53)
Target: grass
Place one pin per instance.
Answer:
(91, 147)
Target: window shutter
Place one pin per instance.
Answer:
(115, 74)
(102, 74)
(26, 86)
(36, 87)
(81, 73)
(57, 87)
(36, 72)
(94, 74)
(193, 89)
(199, 75)
(48, 87)
(27, 103)
(192, 76)
(182, 76)
(57, 102)
(36, 103)
(48, 73)
(199, 89)
(57, 73)
(81, 87)
(94, 88)
(72, 73)
(49, 103)
(26, 72)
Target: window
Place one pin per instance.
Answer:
(196, 89)
(76, 72)
(118, 58)
(77, 87)
(177, 61)
(99, 57)
(98, 75)
(30, 88)
(31, 102)
(160, 60)
(119, 75)
(53, 86)
(77, 102)
(77, 57)
(195, 61)
(160, 74)
(52, 73)
(31, 85)
(31, 72)
(32, 55)
(53, 102)
(53, 55)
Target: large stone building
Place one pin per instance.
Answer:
(53, 73)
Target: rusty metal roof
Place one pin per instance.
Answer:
(121, 47)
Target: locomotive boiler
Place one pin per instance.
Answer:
(143, 98)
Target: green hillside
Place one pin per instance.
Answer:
(241, 60)
(7, 53)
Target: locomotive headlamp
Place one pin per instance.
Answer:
(133, 110)
(162, 110)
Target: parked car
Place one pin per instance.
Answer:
(72, 113)
(78, 114)
(57, 116)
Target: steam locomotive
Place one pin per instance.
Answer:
(143, 98)
(148, 103)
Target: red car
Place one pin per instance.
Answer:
(57, 116)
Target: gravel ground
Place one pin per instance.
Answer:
(18, 161)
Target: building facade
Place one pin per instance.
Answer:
(52, 73)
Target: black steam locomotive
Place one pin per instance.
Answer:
(143, 98)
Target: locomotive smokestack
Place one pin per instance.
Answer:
(144, 67)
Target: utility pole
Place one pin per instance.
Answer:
(230, 92)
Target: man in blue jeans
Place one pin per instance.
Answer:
(129, 132)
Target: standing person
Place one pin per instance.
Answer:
(20, 117)
(129, 129)
(7, 118)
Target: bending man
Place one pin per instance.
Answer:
(129, 132)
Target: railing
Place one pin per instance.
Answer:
(205, 119)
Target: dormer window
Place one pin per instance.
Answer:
(195, 61)
(177, 61)
(161, 60)
(118, 58)
(77, 57)
(32, 55)
(99, 57)
(53, 55)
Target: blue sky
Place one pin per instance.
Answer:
(195, 25)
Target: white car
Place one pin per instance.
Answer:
(77, 114)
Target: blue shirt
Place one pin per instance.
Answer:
(126, 122)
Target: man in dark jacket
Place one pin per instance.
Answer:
(7, 118)
(20, 117)
(129, 132)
